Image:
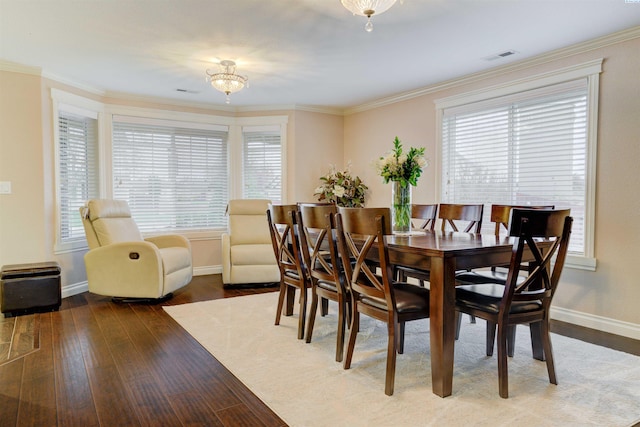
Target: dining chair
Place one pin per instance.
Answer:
(525, 301)
(320, 254)
(361, 233)
(468, 217)
(426, 215)
(500, 216)
(284, 231)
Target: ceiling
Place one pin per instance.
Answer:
(295, 52)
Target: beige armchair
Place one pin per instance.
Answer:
(247, 252)
(122, 264)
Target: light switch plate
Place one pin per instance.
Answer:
(5, 187)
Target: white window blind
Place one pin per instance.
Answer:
(78, 170)
(524, 149)
(174, 176)
(262, 163)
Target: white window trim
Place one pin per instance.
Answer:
(64, 101)
(591, 71)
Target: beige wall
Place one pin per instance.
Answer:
(613, 290)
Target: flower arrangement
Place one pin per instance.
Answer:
(398, 166)
(341, 188)
(403, 170)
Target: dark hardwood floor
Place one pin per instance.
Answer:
(107, 364)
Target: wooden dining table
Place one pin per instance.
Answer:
(444, 253)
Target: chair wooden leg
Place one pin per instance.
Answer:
(400, 338)
(324, 306)
(341, 329)
(303, 313)
(473, 318)
(491, 337)
(312, 315)
(503, 372)
(353, 332)
(548, 351)
(281, 297)
(391, 359)
(511, 340)
(458, 323)
(537, 345)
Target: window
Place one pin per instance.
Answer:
(532, 146)
(174, 175)
(262, 163)
(77, 169)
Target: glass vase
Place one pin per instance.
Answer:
(401, 210)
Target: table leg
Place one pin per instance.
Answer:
(443, 322)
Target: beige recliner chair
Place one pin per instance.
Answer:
(122, 264)
(247, 252)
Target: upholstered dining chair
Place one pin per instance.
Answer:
(122, 264)
(320, 254)
(284, 231)
(360, 230)
(452, 216)
(525, 301)
(500, 216)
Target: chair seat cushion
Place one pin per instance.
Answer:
(174, 259)
(252, 254)
(487, 297)
(484, 276)
(409, 298)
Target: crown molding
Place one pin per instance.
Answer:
(14, 67)
(614, 38)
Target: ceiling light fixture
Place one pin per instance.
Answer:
(226, 80)
(368, 8)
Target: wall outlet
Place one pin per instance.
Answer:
(5, 187)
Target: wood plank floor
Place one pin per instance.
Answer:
(107, 364)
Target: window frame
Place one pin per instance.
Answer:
(589, 70)
(74, 104)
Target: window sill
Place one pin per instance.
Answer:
(580, 262)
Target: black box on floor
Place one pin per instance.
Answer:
(30, 288)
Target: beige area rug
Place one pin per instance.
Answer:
(19, 336)
(304, 385)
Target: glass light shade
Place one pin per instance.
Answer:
(367, 7)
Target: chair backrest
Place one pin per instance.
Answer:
(248, 221)
(318, 242)
(501, 214)
(358, 230)
(108, 221)
(450, 213)
(425, 213)
(283, 228)
(526, 226)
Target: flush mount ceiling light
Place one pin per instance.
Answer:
(226, 80)
(368, 8)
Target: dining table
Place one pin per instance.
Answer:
(443, 253)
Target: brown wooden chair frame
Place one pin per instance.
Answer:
(376, 296)
(320, 254)
(523, 301)
(293, 275)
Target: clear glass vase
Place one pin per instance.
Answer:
(401, 209)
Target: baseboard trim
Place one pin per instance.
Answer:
(203, 271)
(599, 323)
(74, 289)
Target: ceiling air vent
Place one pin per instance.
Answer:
(500, 55)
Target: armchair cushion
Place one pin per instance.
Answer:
(120, 263)
(247, 251)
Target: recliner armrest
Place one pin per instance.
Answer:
(169, 240)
